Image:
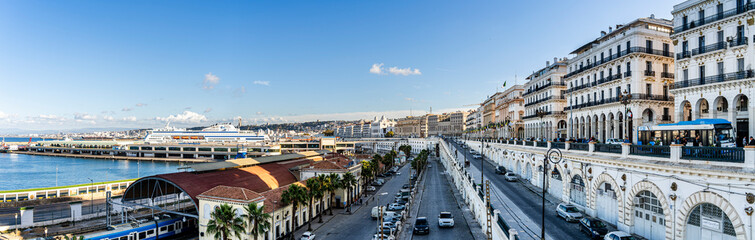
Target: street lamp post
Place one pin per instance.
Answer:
(552, 156)
(380, 214)
(626, 98)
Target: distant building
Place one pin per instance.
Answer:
(545, 90)
(509, 110)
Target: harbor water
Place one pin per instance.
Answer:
(21, 171)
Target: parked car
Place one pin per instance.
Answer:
(614, 141)
(568, 212)
(376, 212)
(400, 200)
(370, 189)
(500, 170)
(384, 237)
(594, 228)
(510, 176)
(476, 156)
(389, 225)
(421, 226)
(429, 165)
(396, 207)
(619, 235)
(308, 236)
(445, 219)
(405, 186)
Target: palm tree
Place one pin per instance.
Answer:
(256, 217)
(313, 188)
(366, 174)
(334, 181)
(349, 180)
(224, 222)
(323, 179)
(294, 195)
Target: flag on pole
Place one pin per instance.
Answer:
(504, 84)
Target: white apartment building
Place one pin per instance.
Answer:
(509, 111)
(714, 62)
(545, 91)
(380, 126)
(474, 120)
(633, 59)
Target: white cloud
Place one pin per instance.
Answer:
(208, 110)
(376, 68)
(83, 116)
(238, 92)
(141, 104)
(259, 113)
(264, 83)
(108, 118)
(4, 115)
(404, 71)
(126, 109)
(185, 117)
(210, 81)
(410, 99)
(129, 119)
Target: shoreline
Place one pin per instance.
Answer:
(110, 157)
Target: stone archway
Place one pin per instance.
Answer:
(709, 197)
(596, 184)
(628, 218)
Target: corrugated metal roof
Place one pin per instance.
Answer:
(246, 162)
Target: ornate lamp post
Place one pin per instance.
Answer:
(626, 98)
(552, 156)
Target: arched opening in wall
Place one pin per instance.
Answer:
(606, 203)
(702, 108)
(577, 190)
(649, 219)
(561, 129)
(611, 126)
(742, 123)
(520, 132)
(555, 185)
(708, 221)
(686, 111)
(722, 108)
(620, 117)
(647, 116)
(528, 173)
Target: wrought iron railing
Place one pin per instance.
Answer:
(715, 79)
(667, 75)
(647, 150)
(709, 48)
(533, 90)
(559, 145)
(618, 55)
(717, 154)
(542, 144)
(609, 148)
(579, 146)
(714, 17)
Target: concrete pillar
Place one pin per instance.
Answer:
(567, 145)
(26, 217)
(549, 145)
(591, 147)
(75, 210)
(615, 129)
(625, 149)
(750, 157)
(676, 152)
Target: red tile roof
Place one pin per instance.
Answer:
(235, 194)
(273, 197)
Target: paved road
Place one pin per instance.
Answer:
(529, 202)
(360, 225)
(439, 198)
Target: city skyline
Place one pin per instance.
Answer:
(83, 64)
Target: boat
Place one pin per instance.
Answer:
(217, 133)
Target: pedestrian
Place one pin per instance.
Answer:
(697, 141)
(752, 141)
(744, 141)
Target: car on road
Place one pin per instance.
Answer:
(421, 226)
(308, 236)
(619, 235)
(370, 189)
(476, 156)
(376, 212)
(405, 186)
(568, 212)
(594, 228)
(389, 225)
(429, 165)
(445, 219)
(614, 141)
(500, 170)
(384, 237)
(396, 207)
(399, 201)
(510, 176)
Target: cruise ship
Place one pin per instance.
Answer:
(217, 133)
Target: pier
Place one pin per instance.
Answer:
(112, 157)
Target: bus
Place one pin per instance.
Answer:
(712, 132)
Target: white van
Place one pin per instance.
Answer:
(376, 212)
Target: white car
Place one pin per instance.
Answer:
(510, 176)
(370, 189)
(385, 237)
(568, 212)
(614, 141)
(445, 219)
(308, 236)
(619, 235)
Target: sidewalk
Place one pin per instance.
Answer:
(326, 217)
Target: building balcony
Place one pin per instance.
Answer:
(635, 96)
(546, 114)
(738, 41)
(714, 79)
(667, 75)
(618, 55)
(649, 73)
(543, 100)
(714, 18)
(707, 49)
(534, 90)
(628, 74)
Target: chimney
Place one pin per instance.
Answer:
(602, 33)
(555, 60)
(547, 63)
(610, 29)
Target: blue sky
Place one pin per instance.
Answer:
(76, 64)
